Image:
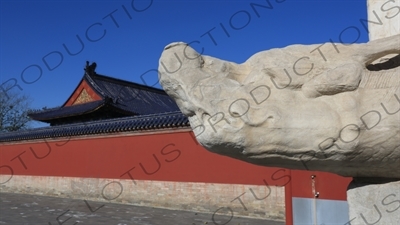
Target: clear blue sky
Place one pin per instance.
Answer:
(137, 31)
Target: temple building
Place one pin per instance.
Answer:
(99, 97)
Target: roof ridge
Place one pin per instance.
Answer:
(95, 86)
(125, 124)
(101, 76)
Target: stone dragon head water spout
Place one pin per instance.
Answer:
(314, 107)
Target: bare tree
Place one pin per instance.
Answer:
(14, 107)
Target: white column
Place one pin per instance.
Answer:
(384, 18)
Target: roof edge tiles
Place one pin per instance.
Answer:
(67, 111)
(126, 124)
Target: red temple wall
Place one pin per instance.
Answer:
(161, 156)
(172, 156)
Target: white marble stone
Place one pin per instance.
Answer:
(315, 107)
(377, 204)
(384, 17)
(308, 107)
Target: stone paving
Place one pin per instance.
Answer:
(22, 209)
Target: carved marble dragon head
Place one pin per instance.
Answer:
(309, 107)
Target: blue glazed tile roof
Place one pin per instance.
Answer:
(126, 124)
(132, 97)
(122, 96)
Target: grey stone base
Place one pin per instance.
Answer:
(189, 196)
(374, 202)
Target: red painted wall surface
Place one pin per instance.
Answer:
(168, 156)
(329, 186)
(173, 156)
